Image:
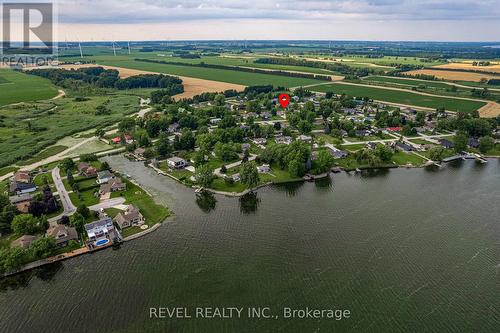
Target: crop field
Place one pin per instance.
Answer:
(433, 87)
(453, 75)
(386, 61)
(401, 97)
(29, 128)
(468, 66)
(18, 87)
(407, 82)
(229, 76)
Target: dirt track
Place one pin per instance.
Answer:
(192, 86)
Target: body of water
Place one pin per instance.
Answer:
(404, 250)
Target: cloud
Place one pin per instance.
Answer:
(157, 11)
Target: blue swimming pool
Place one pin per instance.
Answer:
(101, 242)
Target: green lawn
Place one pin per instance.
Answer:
(152, 212)
(401, 97)
(402, 158)
(19, 87)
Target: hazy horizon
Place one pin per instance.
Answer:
(368, 20)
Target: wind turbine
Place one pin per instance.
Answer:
(114, 49)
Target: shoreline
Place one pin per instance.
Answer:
(307, 178)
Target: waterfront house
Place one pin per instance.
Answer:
(24, 241)
(21, 188)
(264, 168)
(260, 141)
(62, 234)
(446, 143)
(101, 233)
(283, 140)
(404, 147)
(114, 185)
(338, 153)
(176, 162)
(139, 152)
(22, 176)
(245, 146)
(22, 202)
(131, 216)
(473, 143)
(362, 133)
(104, 176)
(173, 128)
(304, 138)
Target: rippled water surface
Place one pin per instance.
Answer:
(403, 250)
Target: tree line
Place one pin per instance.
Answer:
(108, 78)
(242, 69)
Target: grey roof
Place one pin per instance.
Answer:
(20, 186)
(20, 198)
(104, 174)
(175, 159)
(107, 221)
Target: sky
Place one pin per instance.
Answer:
(427, 20)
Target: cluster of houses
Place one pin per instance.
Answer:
(21, 189)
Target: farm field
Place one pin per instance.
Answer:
(29, 128)
(18, 87)
(468, 66)
(387, 61)
(453, 75)
(229, 76)
(401, 97)
(408, 82)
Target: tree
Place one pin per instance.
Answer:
(436, 153)
(486, 143)
(42, 247)
(324, 161)
(104, 166)
(67, 164)
(126, 125)
(204, 175)
(384, 153)
(83, 210)
(296, 168)
(78, 221)
(249, 174)
(461, 140)
(163, 147)
(64, 220)
(28, 224)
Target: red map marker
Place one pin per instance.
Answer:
(284, 100)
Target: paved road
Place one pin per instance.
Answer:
(68, 206)
(109, 203)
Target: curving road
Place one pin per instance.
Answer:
(69, 208)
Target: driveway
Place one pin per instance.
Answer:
(109, 203)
